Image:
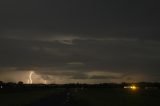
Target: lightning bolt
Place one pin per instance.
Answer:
(30, 77)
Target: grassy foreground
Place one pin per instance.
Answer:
(116, 97)
(81, 97)
(25, 97)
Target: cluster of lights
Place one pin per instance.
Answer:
(132, 87)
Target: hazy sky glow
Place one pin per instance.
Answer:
(87, 41)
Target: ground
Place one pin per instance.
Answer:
(79, 97)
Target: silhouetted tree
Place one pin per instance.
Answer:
(20, 83)
(1, 82)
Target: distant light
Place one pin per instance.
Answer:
(127, 87)
(1, 87)
(133, 87)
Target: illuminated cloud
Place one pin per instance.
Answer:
(63, 42)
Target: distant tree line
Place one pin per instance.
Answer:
(20, 85)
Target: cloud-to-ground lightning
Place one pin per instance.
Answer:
(30, 77)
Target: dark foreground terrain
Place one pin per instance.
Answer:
(79, 97)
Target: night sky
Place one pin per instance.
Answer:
(85, 41)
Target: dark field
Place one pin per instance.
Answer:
(79, 97)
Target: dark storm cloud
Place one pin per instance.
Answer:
(103, 77)
(90, 17)
(80, 36)
(61, 16)
(92, 54)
